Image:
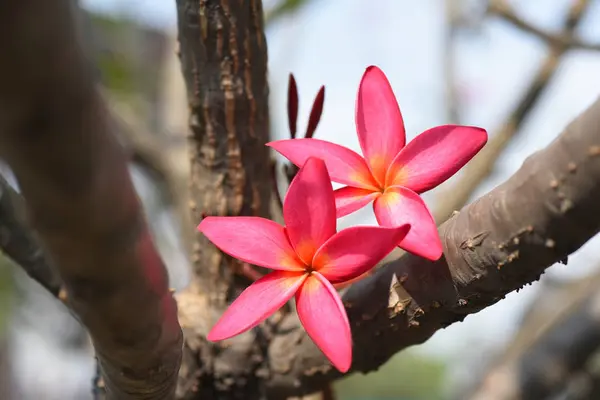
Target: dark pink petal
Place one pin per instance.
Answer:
(257, 303)
(398, 206)
(254, 240)
(378, 122)
(343, 165)
(315, 113)
(309, 209)
(434, 156)
(292, 105)
(349, 199)
(353, 251)
(322, 314)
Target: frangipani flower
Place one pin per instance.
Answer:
(307, 256)
(391, 174)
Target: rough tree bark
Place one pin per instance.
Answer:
(58, 139)
(494, 246)
(224, 59)
(73, 176)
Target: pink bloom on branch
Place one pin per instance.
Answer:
(391, 174)
(307, 256)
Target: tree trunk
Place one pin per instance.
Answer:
(224, 59)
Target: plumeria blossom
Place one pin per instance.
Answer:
(391, 174)
(306, 256)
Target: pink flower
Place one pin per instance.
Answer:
(307, 256)
(391, 174)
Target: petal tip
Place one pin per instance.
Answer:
(484, 136)
(434, 256)
(482, 133)
(215, 336)
(437, 251)
(478, 134)
(274, 143)
(343, 366)
(431, 253)
(316, 162)
(404, 228)
(372, 68)
(204, 224)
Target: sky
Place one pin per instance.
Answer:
(331, 42)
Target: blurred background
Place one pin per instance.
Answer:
(522, 69)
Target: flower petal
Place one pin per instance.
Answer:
(434, 156)
(343, 164)
(254, 240)
(309, 209)
(398, 206)
(322, 314)
(349, 199)
(353, 251)
(379, 122)
(257, 303)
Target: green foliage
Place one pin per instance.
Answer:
(116, 69)
(407, 376)
(116, 73)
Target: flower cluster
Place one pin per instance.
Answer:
(307, 255)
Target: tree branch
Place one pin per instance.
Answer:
(18, 242)
(584, 385)
(503, 10)
(452, 97)
(58, 139)
(549, 349)
(484, 163)
(497, 244)
(151, 152)
(223, 54)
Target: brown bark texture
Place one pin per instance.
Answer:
(224, 59)
(501, 242)
(57, 136)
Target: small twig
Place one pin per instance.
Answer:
(98, 388)
(452, 96)
(484, 163)
(150, 151)
(275, 187)
(19, 243)
(566, 39)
